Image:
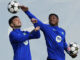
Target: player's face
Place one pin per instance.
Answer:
(53, 20)
(16, 23)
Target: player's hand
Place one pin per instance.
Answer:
(24, 8)
(73, 55)
(33, 20)
(37, 28)
(68, 48)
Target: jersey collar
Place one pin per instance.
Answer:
(16, 29)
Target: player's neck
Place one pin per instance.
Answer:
(54, 24)
(15, 28)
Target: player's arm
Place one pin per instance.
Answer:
(67, 49)
(35, 33)
(26, 10)
(35, 20)
(18, 37)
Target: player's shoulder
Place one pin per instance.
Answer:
(11, 33)
(47, 24)
(61, 29)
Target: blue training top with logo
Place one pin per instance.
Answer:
(20, 43)
(55, 39)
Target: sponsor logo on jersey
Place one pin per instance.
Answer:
(54, 29)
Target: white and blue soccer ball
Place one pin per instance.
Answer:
(74, 48)
(13, 6)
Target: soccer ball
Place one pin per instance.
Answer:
(13, 7)
(74, 47)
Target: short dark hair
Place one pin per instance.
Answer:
(11, 19)
(53, 14)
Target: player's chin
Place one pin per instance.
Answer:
(19, 26)
(53, 23)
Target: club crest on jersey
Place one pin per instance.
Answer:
(62, 33)
(24, 33)
(58, 38)
(26, 43)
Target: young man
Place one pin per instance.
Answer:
(20, 39)
(54, 35)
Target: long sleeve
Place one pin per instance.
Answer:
(39, 23)
(34, 34)
(65, 45)
(18, 37)
(30, 15)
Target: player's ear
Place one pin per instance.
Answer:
(11, 25)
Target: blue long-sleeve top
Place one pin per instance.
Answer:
(55, 38)
(20, 43)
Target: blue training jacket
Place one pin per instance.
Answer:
(20, 43)
(55, 39)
